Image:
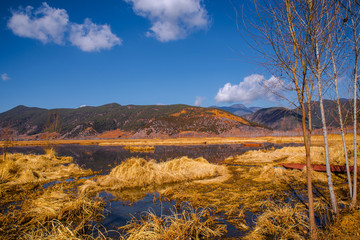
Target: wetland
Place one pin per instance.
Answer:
(111, 192)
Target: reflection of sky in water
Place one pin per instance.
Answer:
(106, 157)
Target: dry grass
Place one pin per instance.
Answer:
(291, 155)
(59, 231)
(188, 223)
(38, 209)
(142, 142)
(259, 190)
(347, 227)
(20, 169)
(281, 222)
(316, 139)
(140, 148)
(28, 211)
(138, 172)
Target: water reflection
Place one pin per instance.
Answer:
(104, 158)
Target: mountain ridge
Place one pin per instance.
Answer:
(126, 121)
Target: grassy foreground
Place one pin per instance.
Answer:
(262, 202)
(29, 210)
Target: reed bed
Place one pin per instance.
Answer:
(291, 155)
(40, 208)
(281, 222)
(30, 211)
(21, 169)
(256, 195)
(138, 172)
(346, 227)
(183, 224)
(140, 148)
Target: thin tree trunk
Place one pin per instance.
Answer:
(308, 173)
(353, 201)
(326, 147)
(341, 125)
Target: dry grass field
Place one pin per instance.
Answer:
(316, 140)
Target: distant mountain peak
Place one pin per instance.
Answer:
(238, 109)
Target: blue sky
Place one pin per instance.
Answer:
(64, 54)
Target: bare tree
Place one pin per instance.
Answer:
(352, 7)
(337, 49)
(321, 23)
(284, 29)
(354, 23)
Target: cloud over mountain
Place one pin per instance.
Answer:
(172, 19)
(52, 25)
(199, 101)
(253, 87)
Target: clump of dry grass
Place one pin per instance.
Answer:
(57, 204)
(347, 227)
(188, 223)
(140, 148)
(268, 173)
(19, 168)
(138, 172)
(277, 175)
(290, 155)
(281, 222)
(41, 208)
(57, 230)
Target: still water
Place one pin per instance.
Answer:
(103, 158)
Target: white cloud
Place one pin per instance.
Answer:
(254, 87)
(82, 106)
(46, 24)
(172, 19)
(91, 37)
(199, 101)
(49, 24)
(5, 77)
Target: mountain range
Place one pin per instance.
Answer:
(150, 121)
(114, 120)
(285, 119)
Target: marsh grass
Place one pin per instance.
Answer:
(347, 227)
(39, 208)
(185, 223)
(29, 211)
(253, 200)
(21, 169)
(56, 230)
(140, 148)
(290, 155)
(138, 172)
(281, 222)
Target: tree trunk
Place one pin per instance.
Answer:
(353, 201)
(326, 147)
(341, 125)
(308, 173)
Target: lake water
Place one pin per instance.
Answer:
(103, 158)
